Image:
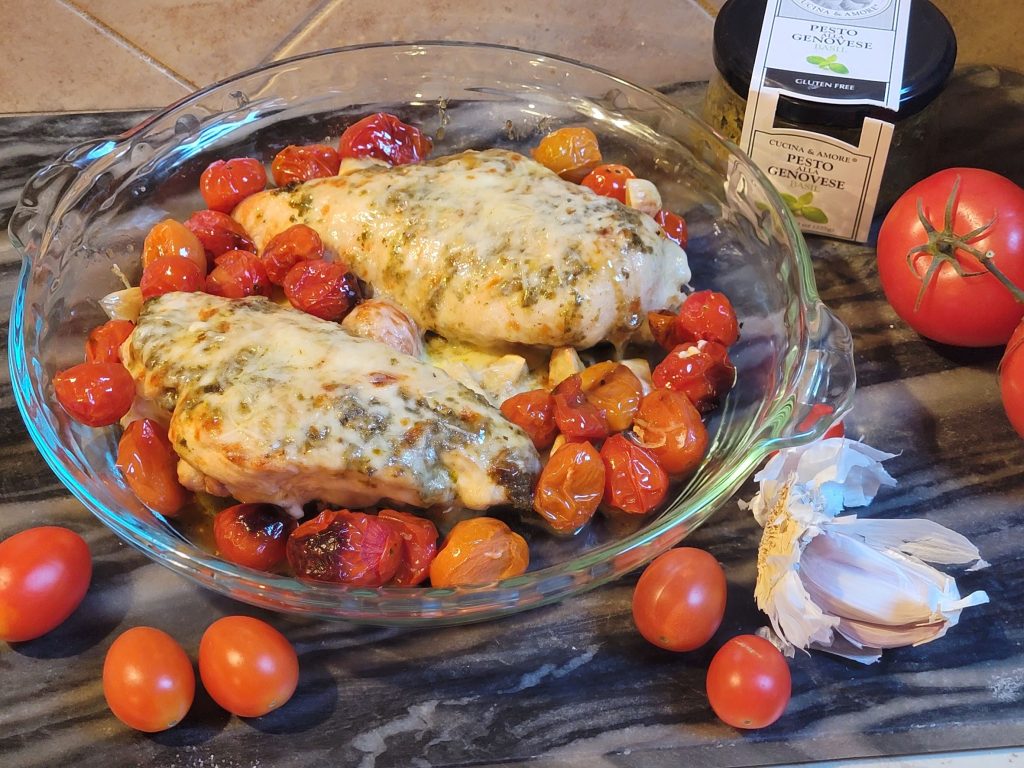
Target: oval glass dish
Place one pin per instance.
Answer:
(90, 211)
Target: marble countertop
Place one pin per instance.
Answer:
(573, 684)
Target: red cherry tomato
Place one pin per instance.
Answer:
(748, 682)
(707, 315)
(672, 226)
(171, 273)
(419, 546)
(95, 394)
(609, 180)
(346, 547)
(633, 479)
(150, 467)
(253, 535)
(247, 666)
(664, 329)
(226, 183)
(577, 418)
(701, 371)
(679, 601)
(821, 411)
(1011, 380)
(570, 487)
(172, 238)
(44, 574)
(288, 248)
(325, 289)
(238, 274)
(534, 413)
(384, 137)
(669, 426)
(104, 342)
(302, 163)
(148, 680)
(219, 233)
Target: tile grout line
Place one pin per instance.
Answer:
(708, 7)
(131, 46)
(293, 38)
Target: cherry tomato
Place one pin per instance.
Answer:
(707, 315)
(570, 487)
(663, 329)
(219, 233)
(679, 601)
(150, 467)
(748, 682)
(247, 666)
(609, 180)
(577, 418)
(615, 391)
(570, 152)
(672, 226)
(238, 274)
(325, 289)
(44, 574)
(253, 535)
(346, 547)
(702, 371)
(480, 550)
(171, 273)
(148, 680)
(820, 411)
(172, 238)
(633, 479)
(932, 259)
(288, 248)
(104, 342)
(419, 546)
(384, 137)
(669, 426)
(1011, 380)
(226, 183)
(95, 394)
(534, 413)
(302, 163)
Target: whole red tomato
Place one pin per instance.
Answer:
(148, 680)
(347, 548)
(253, 535)
(226, 183)
(748, 682)
(1011, 379)
(384, 137)
(150, 467)
(609, 180)
(951, 257)
(95, 394)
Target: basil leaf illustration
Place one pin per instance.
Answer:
(816, 215)
(839, 69)
(789, 200)
(805, 198)
(816, 61)
(831, 58)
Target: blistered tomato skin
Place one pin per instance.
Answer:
(226, 183)
(104, 342)
(576, 417)
(172, 238)
(634, 480)
(324, 289)
(253, 535)
(288, 248)
(238, 274)
(148, 680)
(150, 467)
(670, 427)
(615, 391)
(609, 180)
(295, 164)
(707, 315)
(477, 551)
(419, 546)
(347, 548)
(95, 394)
(570, 487)
(701, 371)
(171, 273)
(384, 137)
(570, 152)
(219, 233)
(534, 413)
(673, 227)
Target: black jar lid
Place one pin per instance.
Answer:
(931, 53)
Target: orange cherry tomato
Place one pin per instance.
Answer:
(534, 413)
(707, 315)
(247, 666)
(609, 180)
(419, 546)
(702, 371)
(325, 289)
(226, 183)
(345, 547)
(148, 680)
(570, 152)
(150, 467)
(570, 487)
(577, 418)
(480, 550)
(748, 682)
(253, 535)
(301, 163)
(615, 391)
(672, 226)
(219, 233)
(679, 601)
(44, 574)
(663, 328)
(171, 273)
(238, 274)
(386, 138)
(104, 342)
(669, 426)
(95, 394)
(288, 248)
(172, 238)
(634, 480)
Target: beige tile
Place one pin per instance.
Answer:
(987, 31)
(54, 60)
(653, 42)
(204, 40)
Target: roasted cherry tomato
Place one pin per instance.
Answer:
(171, 273)
(702, 371)
(384, 137)
(534, 413)
(302, 163)
(148, 680)
(219, 233)
(748, 682)
(615, 391)
(679, 601)
(570, 487)
(672, 226)
(609, 180)
(577, 417)
(570, 152)
(247, 666)
(104, 342)
(238, 274)
(633, 479)
(419, 546)
(172, 238)
(44, 574)
(226, 183)
(150, 467)
(288, 248)
(325, 289)
(669, 426)
(346, 547)
(253, 535)
(818, 412)
(663, 328)
(707, 315)
(480, 550)
(95, 394)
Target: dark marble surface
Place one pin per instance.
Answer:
(573, 684)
